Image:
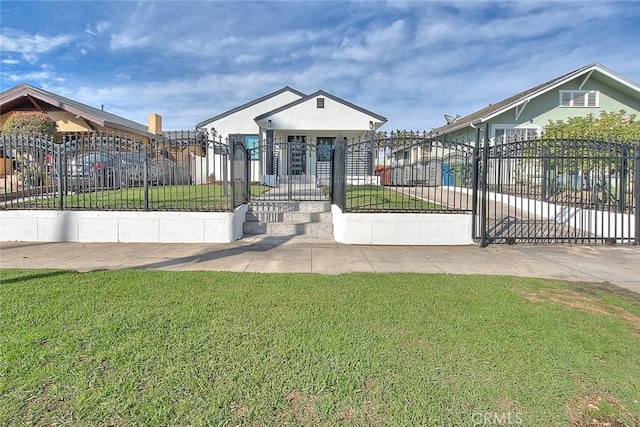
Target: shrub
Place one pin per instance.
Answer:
(617, 125)
(30, 122)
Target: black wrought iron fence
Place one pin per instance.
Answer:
(182, 171)
(405, 172)
(574, 190)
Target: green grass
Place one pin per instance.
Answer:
(175, 197)
(377, 198)
(204, 348)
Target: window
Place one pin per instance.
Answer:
(251, 142)
(505, 134)
(320, 102)
(324, 146)
(579, 98)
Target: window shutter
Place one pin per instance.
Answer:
(566, 99)
(591, 99)
(578, 99)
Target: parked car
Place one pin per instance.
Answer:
(100, 170)
(132, 166)
(93, 171)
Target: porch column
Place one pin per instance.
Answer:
(269, 153)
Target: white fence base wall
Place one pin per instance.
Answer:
(401, 228)
(600, 223)
(117, 226)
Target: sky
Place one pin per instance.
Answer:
(409, 61)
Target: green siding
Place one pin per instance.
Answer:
(613, 97)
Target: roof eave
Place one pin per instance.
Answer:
(24, 90)
(371, 114)
(250, 104)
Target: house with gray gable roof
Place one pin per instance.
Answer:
(289, 133)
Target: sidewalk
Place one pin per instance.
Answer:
(619, 265)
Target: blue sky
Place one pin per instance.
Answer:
(411, 61)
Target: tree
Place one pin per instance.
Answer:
(30, 150)
(32, 122)
(599, 147)
(618, 126)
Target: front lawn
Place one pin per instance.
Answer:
(376, 198)
(205, 197)
(204, 348)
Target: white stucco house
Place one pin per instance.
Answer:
(289, 133)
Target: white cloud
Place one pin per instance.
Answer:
(374, 43)
(247, 59)
(39, 76)
(409, 61)
(10, 61)
(126, 41)
(30, 46)
(102, 26)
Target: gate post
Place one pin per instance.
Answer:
(247, 176)
(547, 180)
(225, 174)
(485, 185)
(338, 171)
(474, 185)
(289, 167)
(622, 186)
(232, 179)
(636, 197)
(60, 172)
(145, 176)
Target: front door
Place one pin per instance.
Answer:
(324, 148)
(298, 151)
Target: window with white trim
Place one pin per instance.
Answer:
(505, 134)
(579, 98)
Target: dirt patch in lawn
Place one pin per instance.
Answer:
(574, 299)
(366, 409)
(301, 408)
(239, 409)
(595, 410)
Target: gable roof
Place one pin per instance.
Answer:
(327, 95)
(16, 95)
(507, 104)
(250, 104)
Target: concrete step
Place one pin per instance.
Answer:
(266, 216)
(273, 206)
(290, 217)
(277, 206)
(276, 218)
(314, 206)
(289, 229)
(305, 217)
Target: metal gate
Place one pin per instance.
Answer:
(291, 169)
(545, 190)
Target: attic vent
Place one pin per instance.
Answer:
(320, 102)
(579, 98)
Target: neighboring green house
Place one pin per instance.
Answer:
(590, 89)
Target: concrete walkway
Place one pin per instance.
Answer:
(619, 265)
